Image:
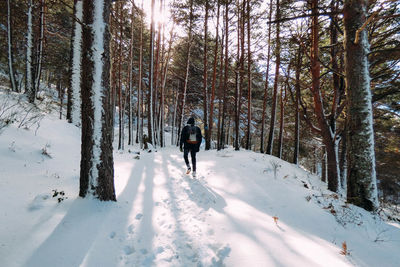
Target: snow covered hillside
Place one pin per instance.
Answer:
(243, 209)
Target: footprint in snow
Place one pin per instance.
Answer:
(159, 250)
(221, 255)
(139, 216)
(128, 250)
(39, 202)
(112, 235)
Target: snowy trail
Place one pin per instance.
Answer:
(212, 220)
(170, 212)
(237, 212)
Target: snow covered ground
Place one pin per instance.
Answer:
(243, 209)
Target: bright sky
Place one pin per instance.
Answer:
(164, 17)
(158, 17)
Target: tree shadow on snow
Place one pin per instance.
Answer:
(80, 226)
(201, 194)
(204, 196)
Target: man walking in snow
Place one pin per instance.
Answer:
(190, 140)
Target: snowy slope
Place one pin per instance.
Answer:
(236, 213)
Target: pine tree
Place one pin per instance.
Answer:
(74, 97)
(361, 179)
(11, 72)
(266, 78)
(97, 165)
(213, 83)
(276, 81)
(29, 87)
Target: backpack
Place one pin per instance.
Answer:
(192, 135)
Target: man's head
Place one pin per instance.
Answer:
(190, 121)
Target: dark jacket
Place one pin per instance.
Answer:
(185, 136)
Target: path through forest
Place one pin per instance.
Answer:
(243, 209)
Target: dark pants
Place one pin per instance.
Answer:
(193, 156)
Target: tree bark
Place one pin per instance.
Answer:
(39, 51)
(121, 104)
(29, 86)
(150, 112)
(327, 133)
(205, 77)
(130, 81)
(74, 94)
(276, 80)
(11, 73)
(162, 91)
(361, 177)
(174, 132)
(239, 73)
(343, 160)
(97, 166)
(156, 81)
(139, 121)
(297, 108)
(60, 94)
(249, 79)
(283, 99)
(214, 78)
(323, 163)
(222, 131)
(220, 89)
(188, 50)
(266, 79)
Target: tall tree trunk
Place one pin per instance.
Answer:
(97, 166)
(297, 108)
(188, 50)
(174, 132)
(334, 66)
(139, 121)
(162, 91)
(327, 133)
(121, 105)
(150, 112)
(239, 71)
(74, 94)
(220, 88)
(161, 112)
(39, 53)
(343, 160)
(222, 132)
(130, 81)
(266, 78)
(205, 77)
(361, 177)
(113, 69)
(69, 88)
(157, 81)
(276, 80)
(60, 91)
(283, 99)
(10, 52)
(29, 86)
(281, 122)
(249, 79)
(228, 131)
(324, 168)
(214, 78)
